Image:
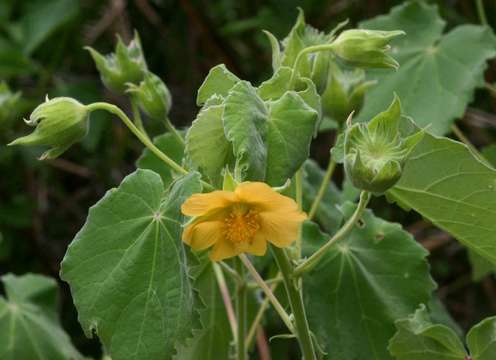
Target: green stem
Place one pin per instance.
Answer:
(226, 298)
(323, 188)
(263, 285)
(481, 12)
(299, 201)
(173, 130)
(258, 318)
(301, 54)
(491, 88)
(345, 230)
(461, 136)
(241, 314)
(295, 299)
(142, 137)
(137, 117)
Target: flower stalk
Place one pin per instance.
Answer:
(344, 231)
(322, 189)
(268, 292)
(302, 330)
(241, 297)
(141, 136)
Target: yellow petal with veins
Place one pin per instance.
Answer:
(202, 235)
(201, 204)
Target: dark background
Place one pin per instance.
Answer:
(43, 205)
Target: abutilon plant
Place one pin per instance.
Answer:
(239, 207)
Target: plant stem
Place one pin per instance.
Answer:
(241, 314)
(461, 136)
(256, 322)
(226, 298)
(481, 12)
(142, 137)
(345, 230)
(296, 302)
(173, 130)
(268, 292)
(137, 117)
(322, 189)
(304, 52)
(491, 88)
(299, 201)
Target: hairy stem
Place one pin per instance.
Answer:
(141, 136)
(299, 201)
(137, 117)
(461, 136)
(481, 12)
(323, 188)
(173, 130)
(268, 292)
(226, 298)
(295, 299)
(301, 54)
(258, 317)
(241, 314)
(345, 230)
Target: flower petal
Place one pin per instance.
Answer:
(258, 246)
(201, 204)
(264, 197)
(202, 235)
(281, 228)
(222, 250)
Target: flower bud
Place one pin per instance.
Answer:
(366, 48)
(344, 93)
(375, 153)
(152, 96)
(8, 104)
(59, 123)
(126, 65)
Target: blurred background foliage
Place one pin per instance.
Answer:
(41, 52)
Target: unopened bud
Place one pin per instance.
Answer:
(59, 123)
(126, 65)
(366, 48)
(152, 96)
(375, 153)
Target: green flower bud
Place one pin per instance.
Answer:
(366, 48)
(8, 104)
(59, 123)
(375, 153)
(344, 93)
(152, 96)
(126, 65)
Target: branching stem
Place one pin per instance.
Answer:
(345, 230)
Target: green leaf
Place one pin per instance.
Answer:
(437, 75)
(275, 87)
(364, 283)
(328, 215)
(169, 145)
(291, 126)
(446, 184)
(43, 18)
(129, 271)
(206, 143)
(218, 82)
(481, 340)
(29, 325)
(245, 125)
(419, 339)
(213, 341)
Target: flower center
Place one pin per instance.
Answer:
(241, 225)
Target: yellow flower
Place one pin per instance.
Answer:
(241, 221)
